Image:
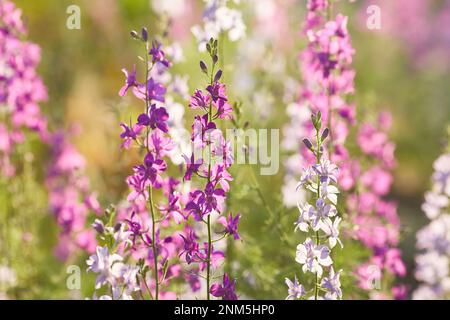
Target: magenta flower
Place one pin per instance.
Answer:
(226, 290)
(217, 91)
(158, 55)
(157, 118)
(192, 166)
(155, 91)
(199, 100)
(130, 81)
(151, 170)
(160, 144)
(130, 134)
(231, 225)
(191, 247)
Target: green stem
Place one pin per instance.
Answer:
(208, 266)
(317, 285)
(155, 253)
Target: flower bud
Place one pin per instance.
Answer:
(218, 75)
(308, 144)
(203, 67)
(144, 34)
(98, 226)
(325, 134)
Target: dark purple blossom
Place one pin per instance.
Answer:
(231, 225)
(217, 91)
(130, 134)
(199, 100)
(226, 290)
(155, 91)
(157, 118)
(191, 247)
(158, 55)
(130, 81)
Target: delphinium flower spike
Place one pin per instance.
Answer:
(433, 240)
(209, 162)
(320, 221)
(142, 220)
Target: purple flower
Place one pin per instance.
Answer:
(220, 175)
(158, 55)
(332, 284)
(226, 290)
(155, 91)
(157, 119)
(199, 100)
(216, 257)
(160, 144)
(129, 134)
(213, 198)
(224, 109)
(191, 247)
(173, 209)
(231, 225)
(130, 81)
(194, 282)
(295, 289)
(203, 131)
(150, 170)
(217, 91)
(192, 166)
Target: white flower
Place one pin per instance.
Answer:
(306, 212)
(313, 257)
(323, 211)
(121, 235)
(108, 267)
(434, 203)
(331, 229)
(431, 267)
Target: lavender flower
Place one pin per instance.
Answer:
(432, 264)
(314, 255)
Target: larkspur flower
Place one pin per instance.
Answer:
(433, 240)
(226, 290)
(130, 134)
(313, 257)
(130, 81)
(322, 218)
(332, 284)
(231, 225)
(208, 199)
(295, 289)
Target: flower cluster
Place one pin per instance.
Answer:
(21, 88)
(210, 160)
(328, 77)
(432, 265)
(21, 91)
(70, 198)
(322, 219)
(150, 133)
(327, 80)
(218, 19)
(375, 218)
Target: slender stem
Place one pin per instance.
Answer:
(150, 191)
(208, 221)
(208, 266)
(154, 248)
(317, 285)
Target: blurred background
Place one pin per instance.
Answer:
(401, 68)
